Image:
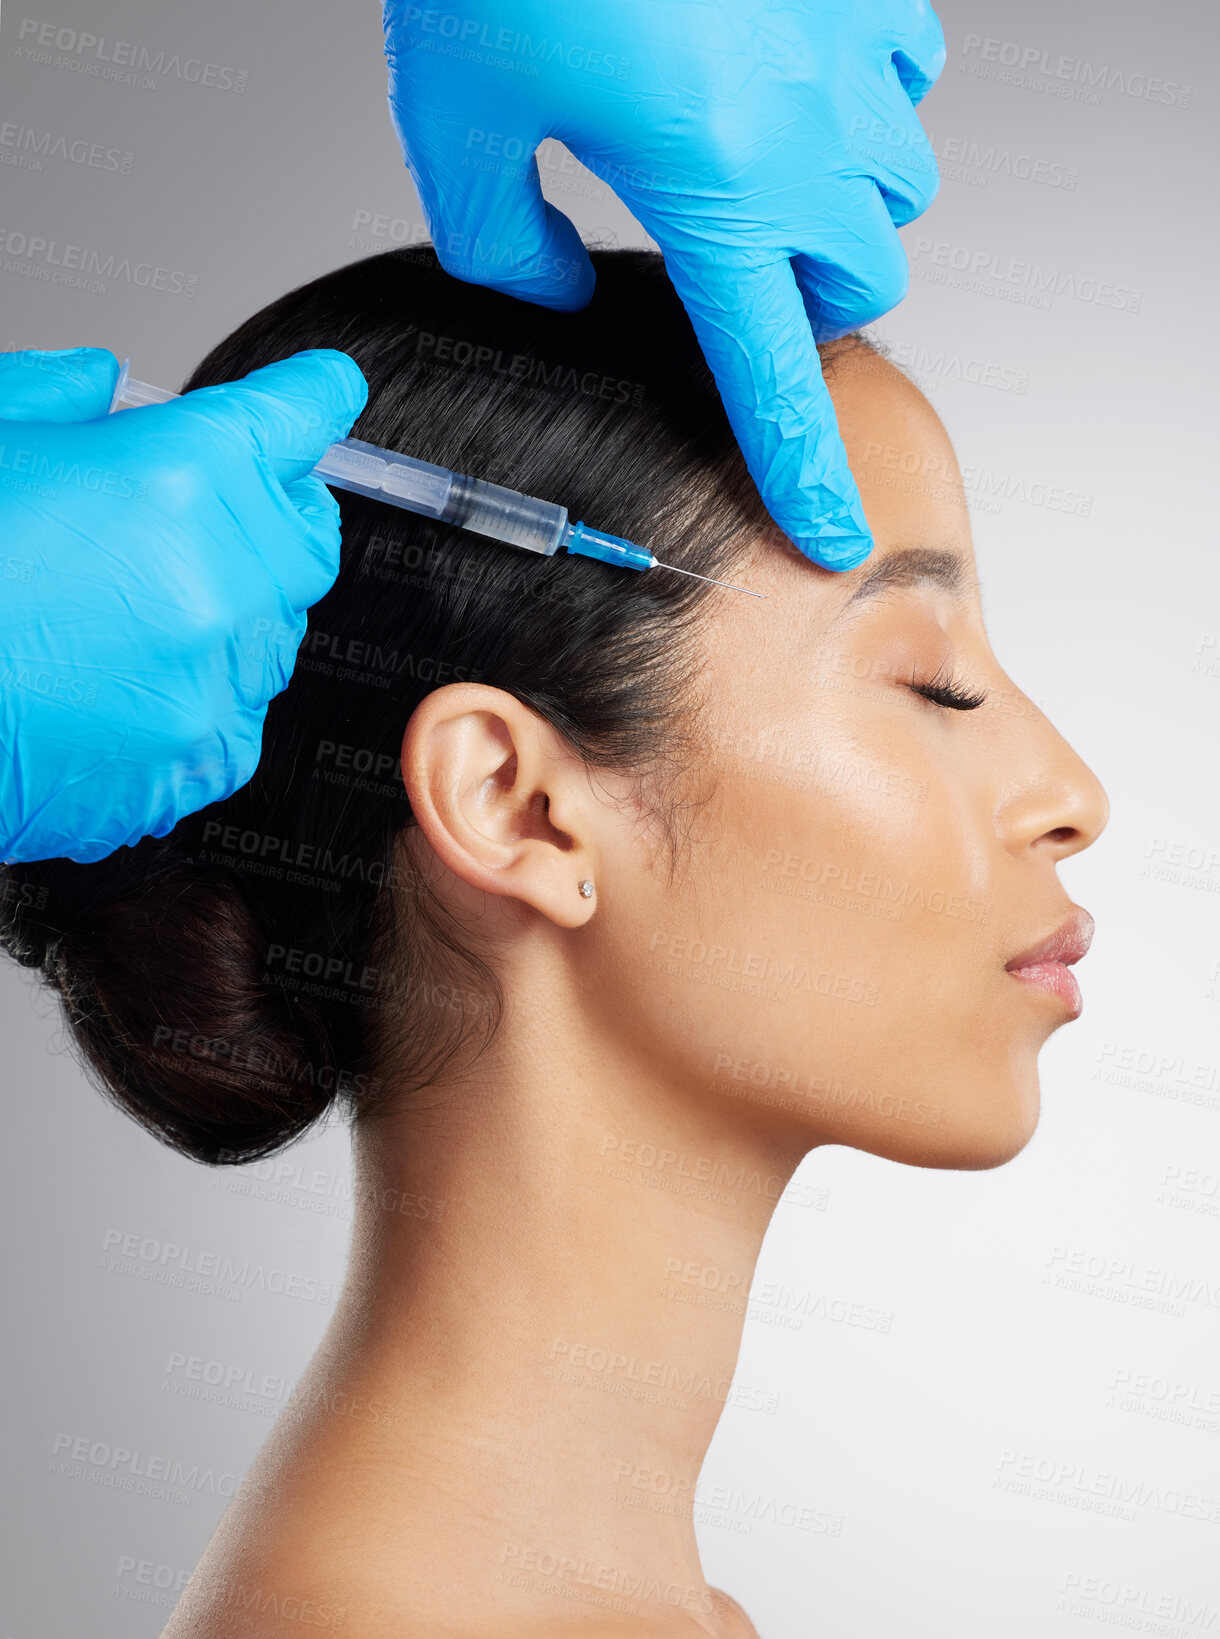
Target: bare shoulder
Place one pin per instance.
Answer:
(273, 1605)
(734, 1623)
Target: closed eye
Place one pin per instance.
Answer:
(943, 690)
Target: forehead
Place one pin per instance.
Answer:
(911, 487)
(901, 458)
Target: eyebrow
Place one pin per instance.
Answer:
(913, 566)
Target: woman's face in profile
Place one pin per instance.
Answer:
(832, 957)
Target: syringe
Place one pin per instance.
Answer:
(451, 497)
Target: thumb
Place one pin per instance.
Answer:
(74, 384)
(755, 335)
(493, 227)
(292, 411)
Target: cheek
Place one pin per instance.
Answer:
(835, 931)
(857, 854)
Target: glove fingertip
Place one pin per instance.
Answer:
(823, 514)
(833, 533)
(569, 288)
(67, 385)
(291, 411)
(350, 387)
(549, 264)
(839, 553)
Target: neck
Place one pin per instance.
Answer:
(546, 1294)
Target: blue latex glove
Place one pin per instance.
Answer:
(155, 571)
(770, 149)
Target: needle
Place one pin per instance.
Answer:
(657, 564)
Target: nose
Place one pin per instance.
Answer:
(1054, 803)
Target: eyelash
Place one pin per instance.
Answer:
(949, 693)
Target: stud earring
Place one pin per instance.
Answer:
(586, 889)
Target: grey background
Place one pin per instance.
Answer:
(1089, 459)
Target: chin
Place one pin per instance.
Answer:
(987, 1125)
(994, 1133)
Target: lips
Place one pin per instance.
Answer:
(1045, 966)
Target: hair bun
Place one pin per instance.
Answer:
(160, 965)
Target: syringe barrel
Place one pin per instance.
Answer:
(366, 469)
(505, 514)
(137, 393)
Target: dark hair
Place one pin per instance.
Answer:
(227, 983)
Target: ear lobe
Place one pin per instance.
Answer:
(483, 772)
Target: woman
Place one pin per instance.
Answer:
(598, 900)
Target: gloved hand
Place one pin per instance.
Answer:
(155, 571)
(770, 150)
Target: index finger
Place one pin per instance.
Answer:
(756, 337)
(292, 411)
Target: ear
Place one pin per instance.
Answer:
(503, 800)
